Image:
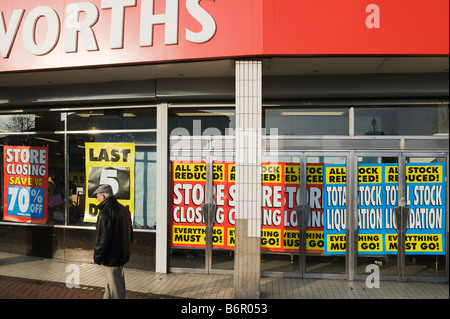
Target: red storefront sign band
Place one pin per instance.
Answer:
(49, 34)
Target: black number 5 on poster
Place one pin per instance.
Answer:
(113, 164)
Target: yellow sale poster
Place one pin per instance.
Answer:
(113, 164)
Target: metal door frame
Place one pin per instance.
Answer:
(437, 154)
(205, 153)
(351, 219)
(303, 155)
(401, 158)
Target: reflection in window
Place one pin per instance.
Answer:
(137, 125)
(145, 175)
(406, 120)
(33, 122)
(301, 121)
(113, 119)
(197, 120)
(55, 145)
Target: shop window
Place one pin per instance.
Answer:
(304, 121)
(33, 168)
(40, 140)
(194, 121)
(127, 161)
(31, 122)
(402, 120)
(112, 119)
(33, 177)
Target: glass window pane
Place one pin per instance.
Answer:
(33, 181)
(279, 229)
(426, 232)
(31, 122)
(114, 119)
(301, 121)
(187, 252)
(377, 197)
(325, 241)
(218, 121)
(332, 207)
(144, 177)
(402, 120)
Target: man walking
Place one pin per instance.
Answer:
(113, 243)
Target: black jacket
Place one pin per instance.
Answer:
(114, 234)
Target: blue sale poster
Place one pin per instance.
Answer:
(426, 197)
(371, 207)
(334, 208)
(377, 197)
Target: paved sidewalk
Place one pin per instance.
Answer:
(23, 288)
(26, 277)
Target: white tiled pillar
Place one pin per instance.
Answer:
(162, 161)
(248, 179)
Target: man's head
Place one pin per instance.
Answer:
(103, 192)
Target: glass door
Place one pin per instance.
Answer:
(402, 214)
(201, 196)
(331, 258)
(201, 220)
(377, 197)
(186, 225)
(280, 176)
(304, 214)
(426, 191)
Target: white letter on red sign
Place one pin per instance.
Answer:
(204, 18)
(29, 30)
(117, 19)
(74, 26)
(7, 37)
(169, 19)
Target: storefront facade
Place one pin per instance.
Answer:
(304, 131)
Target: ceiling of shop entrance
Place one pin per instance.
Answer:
(225, 68)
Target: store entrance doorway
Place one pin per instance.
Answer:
(347, 214)
(201, 218)
(309, 205)
(402, 214)
(323, 214)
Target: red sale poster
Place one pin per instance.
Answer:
(25, 184)
(188, 194)
(280, 196)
